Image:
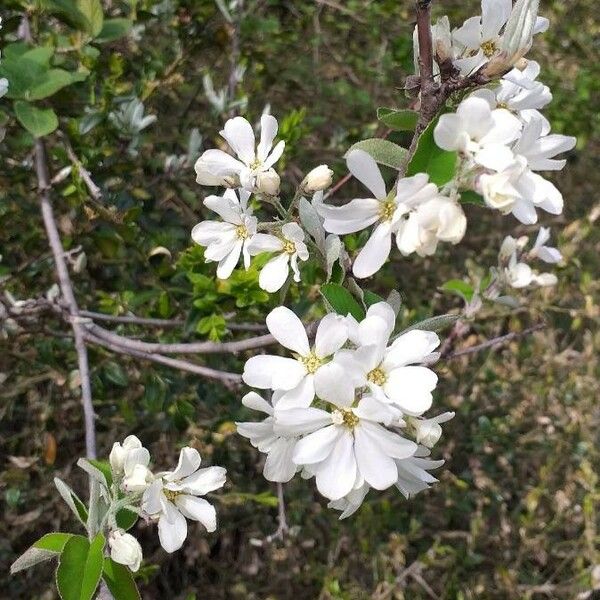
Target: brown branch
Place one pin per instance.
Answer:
(498, 341)
(66, 287)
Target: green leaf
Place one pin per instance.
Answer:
(398, 120)
(72, 500)
(372, 298)
(22, 75)
(383, 151)
(40, 55)
(457, 286)
(38, 121)
(120, 581)
(471, 197)
(115, 374)
(92, 11)
(126, 518)
(104, 467)
(52, 81)
(67, 11)
(47, 547)
(434, 323)
(114, 29)
(439, 164)
(80, 568)
(342, 301)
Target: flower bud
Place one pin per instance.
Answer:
(319, 179)
(545, 279)
(268, 182)
(119, 453)
(428, 432)
(138, 479)
(125, 549)
(508, 248)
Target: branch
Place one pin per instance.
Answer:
(64, 280)
(504, 339)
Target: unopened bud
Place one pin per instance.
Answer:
(125, 549)
(268, 182)
(317, 180)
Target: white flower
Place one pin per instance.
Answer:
(317, 180)
(428, 431)
(499, 190)
(137, 478)
(173, 496)
(347, 445)
(216, 167)
(545, 253)
(480, 39)
(125, 549)
(226, 241)
(279, 465)
(268, 182)
(296, 376)
(351, 502)
(123, 457)
(519, 92)
(290, 247)
(518, 274)
(545, 279)
(384, 210)
(413, 476)
(479, 132)
(3, 86)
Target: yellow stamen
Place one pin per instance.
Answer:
(387, 210)
(255, 164)
(489, 48)
(377, 376)
(241, 232)
(350, 419)
(289, 247)
(170, 495)
(311, 362)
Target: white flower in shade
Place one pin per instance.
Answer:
(137, 478)
(481, 39)
(123, 457)
(317, 180)
(226, 240)
(413, 475)
(519, 92)
(518, 274)
(296, 376)
(279, 465)
(3, 86)
(477, 131)
(351, 502)
(346, 445)
(125, 549)
(216, 167)
(268, 182)
(429, 431)
(390, 372)
(173, 496)
(543, 252)
(438, 219)
(290, 248)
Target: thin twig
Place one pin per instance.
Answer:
(282, 526)
(504, 339)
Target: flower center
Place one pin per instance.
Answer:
(387, 210)
(502, 105)
(377, 376)
(489, 48)
(311, 362)
(255, 164)
(344, 417)
(170, 495)
(289, 247)
(241, 232)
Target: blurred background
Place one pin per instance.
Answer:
(516, 512)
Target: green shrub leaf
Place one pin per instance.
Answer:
(80, 568)
(342, 301)
(114, 29)
(383, 152)
(38, 121)
(119, 580)
(398, 120)
(47, 547)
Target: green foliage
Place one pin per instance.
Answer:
(119, 581)
(462, 288)
(398, 120)
(342, 301)
(38, 121)
(428, 158)
(80, 568)
(383, 152)
(47, 547)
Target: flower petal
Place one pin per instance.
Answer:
(365, 169)
(332, 334)
(374, 253)
(316, 446)
(264, 370)
(172, 534)
(239, 135)
(288, 330)
(337, 474)
(279, 465)
(268, 131)
(377, 469)
(274, 274)
(204, 481)
(189, 461)
(198, 509)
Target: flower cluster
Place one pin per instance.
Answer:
(344, 408)
(168, 497)
(513, 270)
(489, 43)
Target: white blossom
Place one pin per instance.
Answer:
(518, 274)
(216, 167)
(123, 457)
(226, 240)
(429, 431)
(174, 495)
(317, 180)
(137, 478)
(296, 376)
(278, 465)
(391, 373)
(413, 475)
(125, 549)
(290, 248)
(543, 252)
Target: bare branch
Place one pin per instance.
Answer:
(64, 280)
(498, 341)
(132, 319)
